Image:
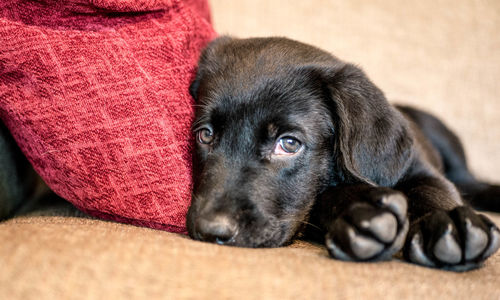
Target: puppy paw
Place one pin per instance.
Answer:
(370, 230)
(457, 240)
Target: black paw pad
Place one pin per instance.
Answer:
(384, 227)
(476, 240)
(370, 230)
(446, 248)
(457, 240)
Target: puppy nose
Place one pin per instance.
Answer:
(218, 229)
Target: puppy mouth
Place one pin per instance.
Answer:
(217, 239)
(270, 239)
(223, 231)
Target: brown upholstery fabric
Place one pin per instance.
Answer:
(442, 56)
(79, 258)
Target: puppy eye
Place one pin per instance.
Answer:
(287, 146)
(205, 136)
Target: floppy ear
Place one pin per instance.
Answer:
(372, 138)
(195, 85)
(208, 63)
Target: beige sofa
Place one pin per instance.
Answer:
(442, 56)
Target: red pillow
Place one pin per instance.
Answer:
(95, 93)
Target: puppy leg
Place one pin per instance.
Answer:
(363, 222)
(444, 232)
(17, 177)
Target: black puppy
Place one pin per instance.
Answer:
(288, 135)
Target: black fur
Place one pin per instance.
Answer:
(369, 178)
(18, 180)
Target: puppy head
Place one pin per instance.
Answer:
(278, 121)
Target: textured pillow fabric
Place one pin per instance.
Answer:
(95, 92)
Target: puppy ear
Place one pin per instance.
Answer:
(195, 85)
(372, 139)
(208, 63)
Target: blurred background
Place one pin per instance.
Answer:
(439, 55)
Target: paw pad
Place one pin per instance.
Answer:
(457, 240)
(370, 230)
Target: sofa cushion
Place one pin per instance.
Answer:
(64, 257)
(96, 95)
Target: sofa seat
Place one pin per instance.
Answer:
(56, 255)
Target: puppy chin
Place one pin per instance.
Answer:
(267, 237)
